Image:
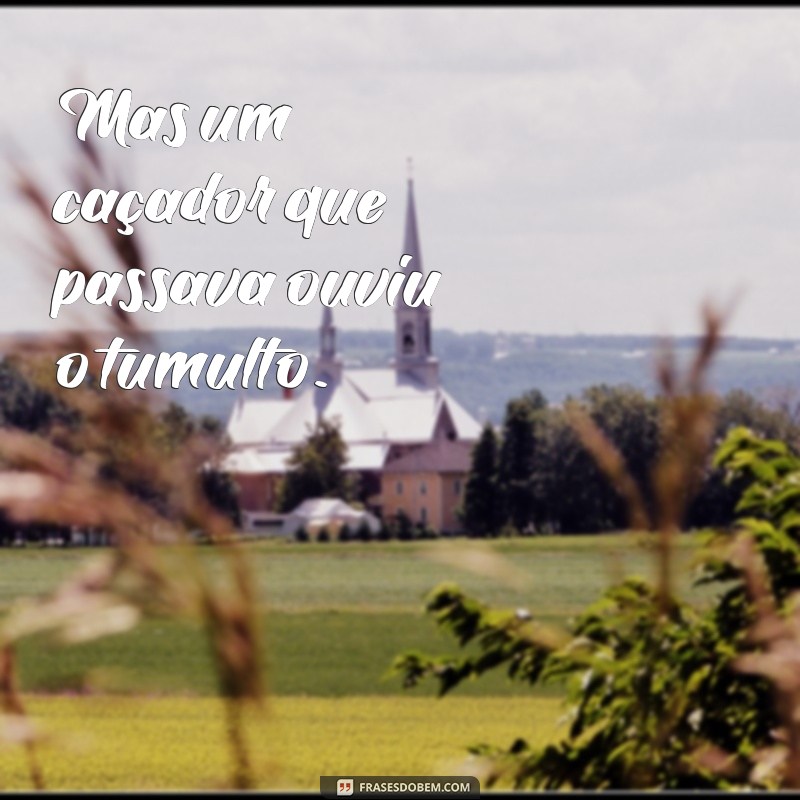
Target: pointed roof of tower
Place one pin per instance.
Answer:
(411, 236)
(327, 343)
(329, 362)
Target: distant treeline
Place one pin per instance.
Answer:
(535, 476)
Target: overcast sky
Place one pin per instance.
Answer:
(598, 171)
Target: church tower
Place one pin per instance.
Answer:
(329, 362)
(413, 345)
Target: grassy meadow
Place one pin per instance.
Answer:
(333, 617)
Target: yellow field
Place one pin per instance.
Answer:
(178, 743)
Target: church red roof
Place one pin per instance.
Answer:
(441, 455)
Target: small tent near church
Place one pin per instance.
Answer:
(327, 512)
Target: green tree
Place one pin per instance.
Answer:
(741, 409)
(534, 400)
(221, 493)
(715, 503)
(516, 463)
(571, 493)
(316, 468)
(481, 512)
(566, 480)
(26, 406)
(630, 419)
(175, 426)
(200, 441)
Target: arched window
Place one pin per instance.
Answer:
(408, 338)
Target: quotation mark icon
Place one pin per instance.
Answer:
(344, 787)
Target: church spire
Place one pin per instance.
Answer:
(411, 237)
(413, 347)
(327, 335)
(329, 363)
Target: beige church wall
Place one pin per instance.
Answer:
(452, 495)
(413, 499)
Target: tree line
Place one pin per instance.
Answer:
(533, 475)
(28, 407)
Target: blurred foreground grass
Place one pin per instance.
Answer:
(108, 743)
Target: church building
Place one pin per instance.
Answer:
(406, 436)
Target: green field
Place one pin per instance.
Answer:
(333, 617)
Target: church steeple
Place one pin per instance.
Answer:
(327, 335)
(329, 363)
(413, 345)
(411, 236)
